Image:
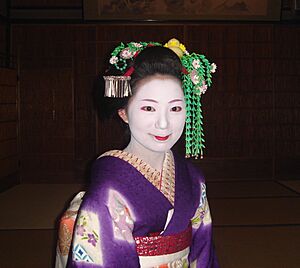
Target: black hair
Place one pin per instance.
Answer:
(153, 60)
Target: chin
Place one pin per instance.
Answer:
(161, 147)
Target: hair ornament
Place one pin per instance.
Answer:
(196, 79)
(177, 47)
(117, 86)
(121, 57)
(123, 54)
(195, 83)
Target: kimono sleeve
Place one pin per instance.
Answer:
(202, 249)
(103, 233)
(66, 227)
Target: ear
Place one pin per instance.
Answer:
(122, 113)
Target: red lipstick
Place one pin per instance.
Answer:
(162, 138)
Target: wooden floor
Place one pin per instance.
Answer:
(256, 223)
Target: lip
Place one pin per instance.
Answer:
(162, 138)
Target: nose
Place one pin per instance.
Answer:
(162, 121)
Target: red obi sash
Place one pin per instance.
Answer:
(155, 245)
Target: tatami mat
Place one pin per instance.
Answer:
(27, 248)
(236, 247)
(258, 247)
(258, 211)
(256, 224)
(41, 205)
(247, 189)
(38, 205)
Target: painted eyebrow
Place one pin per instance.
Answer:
(151, 100)
(175, 100)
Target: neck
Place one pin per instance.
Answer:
(154, 159)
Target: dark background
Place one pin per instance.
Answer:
(51, 59)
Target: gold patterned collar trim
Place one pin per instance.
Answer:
(164, 181)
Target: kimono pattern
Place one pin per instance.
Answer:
(122, 204)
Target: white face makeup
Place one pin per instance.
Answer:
(156, 114)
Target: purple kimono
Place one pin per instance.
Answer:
(122, 204)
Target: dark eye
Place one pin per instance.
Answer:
(148, 109)
(176, 109)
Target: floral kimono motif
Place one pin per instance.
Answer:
(133, 216)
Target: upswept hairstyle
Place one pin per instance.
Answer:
(153, 60)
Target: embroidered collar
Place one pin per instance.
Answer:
(164, 181)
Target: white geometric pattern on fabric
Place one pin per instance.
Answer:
(81, 255)
(86, 238)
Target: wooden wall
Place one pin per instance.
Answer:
(3, 40)
(46, 3)
(46, 9)
(4, 36)
(251, 112)
(9, 126)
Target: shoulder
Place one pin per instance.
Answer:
(195, 170)
(109, 164)
(110, 172)
(104, 171)
(191, 166)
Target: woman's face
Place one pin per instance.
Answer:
(156, 113)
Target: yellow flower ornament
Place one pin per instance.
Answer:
(177, 47)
